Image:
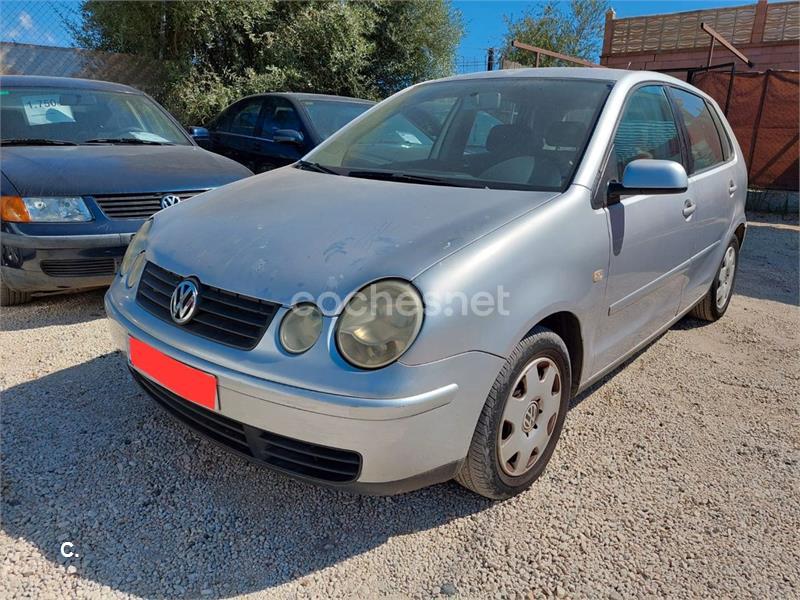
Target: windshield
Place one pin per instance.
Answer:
(329, 116)
(80, 116)
(513, 133)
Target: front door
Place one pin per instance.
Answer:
(652, 238)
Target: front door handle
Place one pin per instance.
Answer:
(688, 208)
(732, 188)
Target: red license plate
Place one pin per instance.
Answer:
(185, 381)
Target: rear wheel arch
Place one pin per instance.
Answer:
(740, 232)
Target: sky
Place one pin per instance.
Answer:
(39, 22)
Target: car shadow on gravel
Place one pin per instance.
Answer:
(153, 510)
(46, 311)
(768, 263)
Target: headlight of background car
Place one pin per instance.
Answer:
(300, 328)
(379, 323)
(58, 209)
(135, 248)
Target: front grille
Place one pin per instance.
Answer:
(79, 267)
(221, 316)
(136, 206)
(276, 451)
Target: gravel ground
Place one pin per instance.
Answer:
(676, 476)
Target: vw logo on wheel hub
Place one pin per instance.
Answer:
(183, 304)
(169, 200)
(529, 418)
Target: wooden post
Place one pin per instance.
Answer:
(550, 53)
(608, 36)
(710, 52)
(760, 20)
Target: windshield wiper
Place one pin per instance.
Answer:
(127, 141)
(316, 167)
(406, 177)
(35, 142)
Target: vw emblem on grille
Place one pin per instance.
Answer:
(169, 200)
(183, 304)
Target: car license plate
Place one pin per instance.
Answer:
(185, 381)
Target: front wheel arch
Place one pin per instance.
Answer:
(566, 325)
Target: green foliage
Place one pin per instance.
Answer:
(215, 51)
(574, 28)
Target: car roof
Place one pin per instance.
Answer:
(10, 81)
(309, 96)
(595, 73)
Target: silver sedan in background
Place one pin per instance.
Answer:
(420, 297)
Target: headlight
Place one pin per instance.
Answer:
(379, 323)
(136, 270)
(55, 209)
(135, 248)
(300, 328)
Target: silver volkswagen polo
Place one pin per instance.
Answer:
(420, 297)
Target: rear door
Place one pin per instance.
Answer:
(712, 182)
(652, 241)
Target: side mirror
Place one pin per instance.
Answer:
(288, 136)
(649, 176)
(200, 135)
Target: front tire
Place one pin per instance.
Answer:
(715, 303)
(9, 297)
(522, 419)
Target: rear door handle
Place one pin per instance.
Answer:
(688, 208)
(732, 187)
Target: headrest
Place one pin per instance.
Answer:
(565, 134)
(509, 138)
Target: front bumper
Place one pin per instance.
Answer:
(408, 440)
(50, 263)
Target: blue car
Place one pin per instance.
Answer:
(84, 163)
(267, 131)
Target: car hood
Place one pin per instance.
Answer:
(115, 169)
(291, 232)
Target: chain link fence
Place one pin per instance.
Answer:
(36, 38)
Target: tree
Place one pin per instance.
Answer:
(216, 51)
(575, 28)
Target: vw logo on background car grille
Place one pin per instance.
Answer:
(169, 200)
(183, 304)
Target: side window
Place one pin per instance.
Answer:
(484, 122)
(647, 129)
(727, 149)
(486, 119)
(244, 117)
(280, 115)
(706, 147)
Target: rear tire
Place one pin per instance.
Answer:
(9, 297)
(522, 419)
(716, 301)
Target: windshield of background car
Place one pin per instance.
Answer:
(329, 116)
(77, 115)
(513, 133)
